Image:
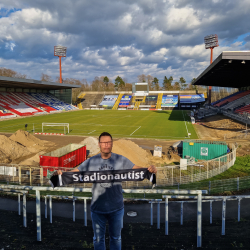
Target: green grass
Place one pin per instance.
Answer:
(240, 168)
(121, 124)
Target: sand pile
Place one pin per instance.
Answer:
(19, 146)
(10, 149)
(132, 151)
(91, 145)
(34, 161)
(27, 139)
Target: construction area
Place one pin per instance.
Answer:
(23, 149)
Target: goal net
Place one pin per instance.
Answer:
(62, 125)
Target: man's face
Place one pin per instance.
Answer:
(106, 144)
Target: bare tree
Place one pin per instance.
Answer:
(11, 73)
(149, 81)
(142, 78)
(46, 78)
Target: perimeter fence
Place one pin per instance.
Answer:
(167, 176)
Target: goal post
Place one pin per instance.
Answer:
(64, 125)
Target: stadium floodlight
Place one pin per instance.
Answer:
(60, 51)
(211, 42)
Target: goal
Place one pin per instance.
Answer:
(64, 125)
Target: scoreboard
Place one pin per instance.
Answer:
(140, 88)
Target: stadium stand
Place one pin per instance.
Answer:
(205, 112)
(52, 101)
(91, 100)
(125, 101)
(117, 103)
(148, 102)
(232, 98)
(218, 101)
(243, 109)
(25, 97)
(4, 114)
(137, 104)
(79, 100)
(26, 104)
(159, 101)
(151, 100)
(17, 106)
(108, 101)
(238, 103)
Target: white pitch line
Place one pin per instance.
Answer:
(135, 130)
(91, 132)
(185, 123)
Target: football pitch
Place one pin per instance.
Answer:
(121, 124)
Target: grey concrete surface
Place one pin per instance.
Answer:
(65, 209)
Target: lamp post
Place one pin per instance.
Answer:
(60, 51)
(211, 42)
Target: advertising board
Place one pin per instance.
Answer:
(169, 101)
(192, 98)
(124, 102)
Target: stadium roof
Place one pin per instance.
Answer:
(10, 82)
(230, 69)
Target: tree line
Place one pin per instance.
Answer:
(103, 83)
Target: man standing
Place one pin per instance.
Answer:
(107, 199)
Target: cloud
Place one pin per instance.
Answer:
(125, 38)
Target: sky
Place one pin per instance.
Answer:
(119, 37)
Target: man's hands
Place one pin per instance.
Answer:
(58, 172)
(152, 169)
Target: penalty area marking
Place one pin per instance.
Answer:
(135, 130)
(91, 132)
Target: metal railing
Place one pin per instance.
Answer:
(67, 189)
(185, 196)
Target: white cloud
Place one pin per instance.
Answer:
(125, 38)
(10, 46)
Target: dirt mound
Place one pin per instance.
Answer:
(132, 151)
(34, 161)
(10, 149)
(27, 139)
(218, 127)
(91, 145)
(140, 156)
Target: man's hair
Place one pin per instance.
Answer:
(105, 134)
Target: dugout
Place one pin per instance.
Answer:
(60, 90)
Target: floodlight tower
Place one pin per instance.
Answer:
(60, 51)
(211, 42)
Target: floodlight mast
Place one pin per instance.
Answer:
(211, 42)
(60, 51)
